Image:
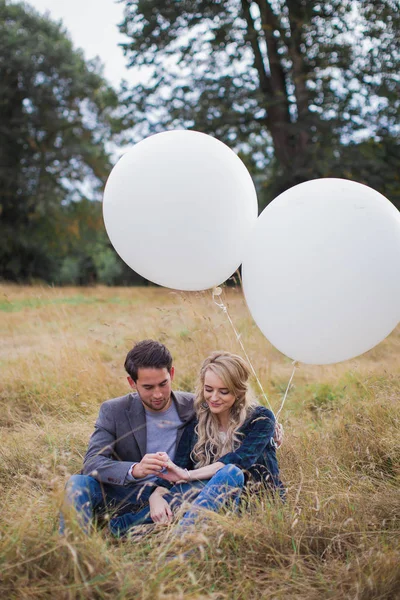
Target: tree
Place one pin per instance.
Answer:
(57, 113)
(287, 83)
(86, 255)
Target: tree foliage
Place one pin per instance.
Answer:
(293, 85)
(56, 114)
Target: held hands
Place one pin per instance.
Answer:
(151, 464)
(154, 464)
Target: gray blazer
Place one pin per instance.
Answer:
(119, 438)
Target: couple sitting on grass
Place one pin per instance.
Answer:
(153, 450)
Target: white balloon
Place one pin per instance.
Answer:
(178, 207)
(321, 274)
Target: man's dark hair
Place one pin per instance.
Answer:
(147, 354)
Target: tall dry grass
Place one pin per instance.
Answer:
(62, 354)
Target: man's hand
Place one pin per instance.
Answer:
(160, 511)
(278, 435)
(151, 464)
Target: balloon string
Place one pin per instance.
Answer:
(220, 304)
(294, 363)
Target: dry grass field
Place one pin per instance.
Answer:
(338, 536)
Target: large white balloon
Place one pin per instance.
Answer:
(321, 274)
(178, 207)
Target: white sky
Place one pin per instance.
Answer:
(92, 25)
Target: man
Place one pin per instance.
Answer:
(134, 436)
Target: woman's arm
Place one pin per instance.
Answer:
(205, 472)
(175, 473)
(257, 435)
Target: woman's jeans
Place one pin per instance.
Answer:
(226, 485)
(92, 499)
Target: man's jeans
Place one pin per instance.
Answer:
(92, 499)
(226, 485)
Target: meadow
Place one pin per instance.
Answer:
(338, 535)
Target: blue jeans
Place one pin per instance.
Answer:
(90, 498)
(211, 494)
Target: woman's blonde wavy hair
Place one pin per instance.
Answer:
(234, 372)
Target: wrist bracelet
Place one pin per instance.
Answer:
(188, 474)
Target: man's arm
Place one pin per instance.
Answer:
(100, 461)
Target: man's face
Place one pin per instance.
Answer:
(154, 388)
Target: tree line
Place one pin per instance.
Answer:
(300, 89)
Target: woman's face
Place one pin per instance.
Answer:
(219, 399)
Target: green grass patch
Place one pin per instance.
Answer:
(17, 305)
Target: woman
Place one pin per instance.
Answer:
(229, 444)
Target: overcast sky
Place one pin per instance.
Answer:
(92, 25)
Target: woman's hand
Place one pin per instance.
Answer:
(174, 473)
(160, 511)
